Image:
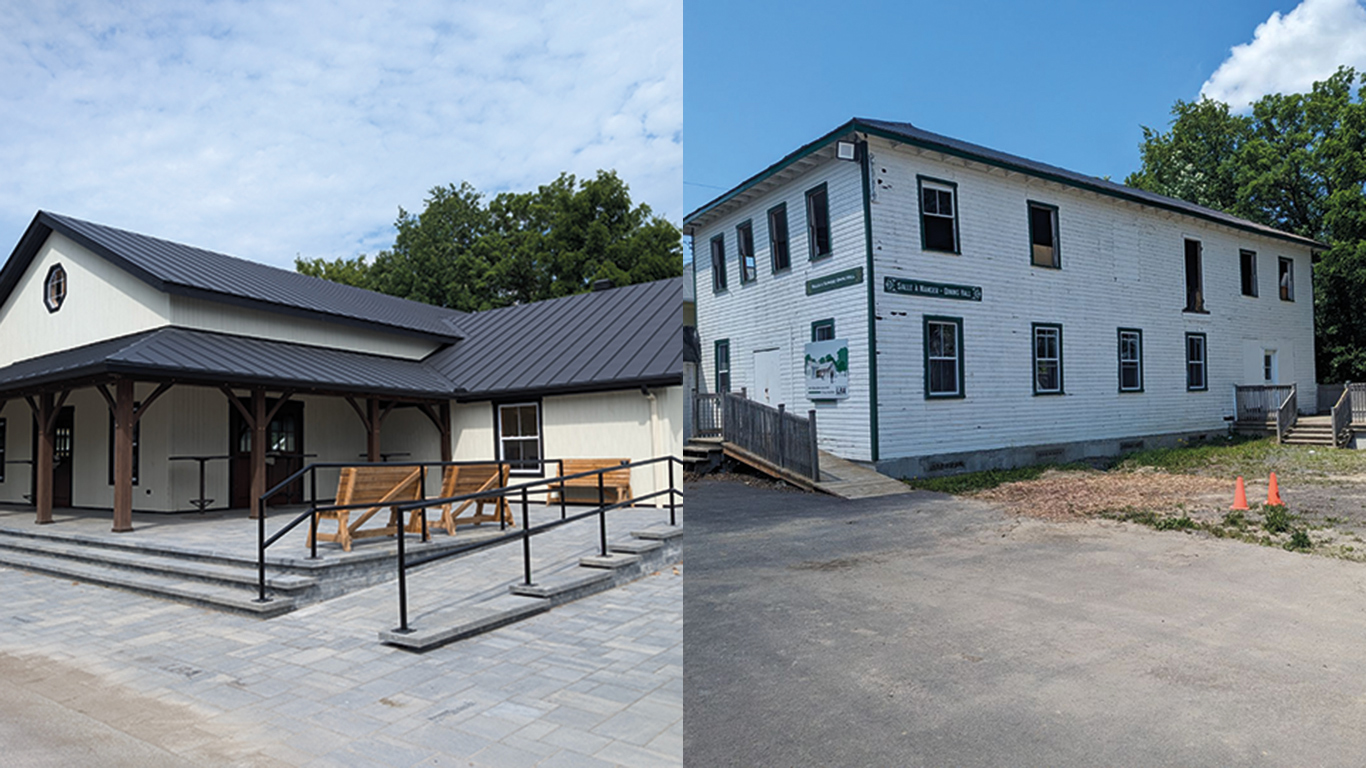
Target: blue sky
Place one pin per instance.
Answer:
(1067, 83)
(266, 129)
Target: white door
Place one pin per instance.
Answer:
(767, 384)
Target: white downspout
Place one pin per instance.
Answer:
(654, 443)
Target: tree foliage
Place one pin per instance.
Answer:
(1297, 163)
(463, 253)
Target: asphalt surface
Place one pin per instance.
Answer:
(925, 630)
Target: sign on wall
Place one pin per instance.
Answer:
(832, 281)
(827, 370)
(937, 290)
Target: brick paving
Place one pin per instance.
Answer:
(597, 682)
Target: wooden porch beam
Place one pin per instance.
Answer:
(372, 430)
(288, 393)
(124, 418)
(258, 449)
(152, 398)
(440, 417)
(355, 407)
(237, 403)
(42, 486)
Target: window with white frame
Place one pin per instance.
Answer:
(780, 255)
(1130, 360)
(1287, 279)
(519, 436)
(1196, 373)
(1043, 235)
(1047, 359)
(943, 357)
(938, 214)
(818, 222)
(744, 243)
(722, 359)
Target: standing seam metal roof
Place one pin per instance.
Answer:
(187, 270)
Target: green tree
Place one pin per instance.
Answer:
(1297, 163)
(556, 240)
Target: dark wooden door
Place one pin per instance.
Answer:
(284, 454)
(63, 444)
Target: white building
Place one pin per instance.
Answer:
(205, 355)
(997, 311)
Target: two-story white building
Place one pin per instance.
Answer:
(994, 311)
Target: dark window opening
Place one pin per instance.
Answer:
(1043, 235)
(938, 217)
(1247, 261)
(823, 330)
(718, 263)
(1287, 279)
(723, 365)
(818, 222)
(1195, 291)
(744, 243)
(777, 237)
(1130, 360)
(1195, 362)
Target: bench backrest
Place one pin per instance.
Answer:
(367, 485)
(614, 477)
(472, 478)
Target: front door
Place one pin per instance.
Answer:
(284, 454)
(63, 442)
(766, 380)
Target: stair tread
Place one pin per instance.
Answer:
(199, 592)
(154, 563)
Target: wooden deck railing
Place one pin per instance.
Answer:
(1356, 392)
(1260, 402)
(773, 434)
(706, 414)
(1286, 413)
(1341, 418)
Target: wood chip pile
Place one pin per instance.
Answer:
(1063, 495)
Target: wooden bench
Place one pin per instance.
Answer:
(471, 478)
(616, 483)
(378, 485)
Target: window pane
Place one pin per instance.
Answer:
(945, 202)
(1041, 226)
(939, 233)
(1047, 373)
(931, 201)
(949, 339)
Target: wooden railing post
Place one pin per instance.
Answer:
(815, 451)
(782, 427)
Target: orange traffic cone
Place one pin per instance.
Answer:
(1273, 494)
(1239, 495)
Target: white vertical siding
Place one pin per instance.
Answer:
(774, 310)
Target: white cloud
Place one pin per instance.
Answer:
(1288, 53)
(267, 130)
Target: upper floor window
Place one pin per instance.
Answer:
(744, 243)
(1047, 359)
(777, 237)
(1287, 279)
(938, 214)
(1195, 289)
(1130, 360)
(823, 330)
(718, 263)
(54, 288)
(818, 222)
(943, 357)
(1043, 235)
(1247, 267)
(722, 365)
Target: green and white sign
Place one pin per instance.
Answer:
(832, 281)
(827, 369)
(936, 290)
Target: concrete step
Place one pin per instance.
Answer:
(462, 620)
(166, 585)
(237, 575)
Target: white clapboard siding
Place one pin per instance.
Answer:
(775, 312)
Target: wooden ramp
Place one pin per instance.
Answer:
(839, 477)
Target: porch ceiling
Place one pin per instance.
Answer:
(203, 357)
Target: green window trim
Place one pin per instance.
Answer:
(920, 182)
(1119, 355)
(818, 234)
(1030, 207)
(957, 323)
(1034, 329)
(779, 246)
(1202, 363)
(744, 247)
(718, 263)
(720, 355)
(820, 325)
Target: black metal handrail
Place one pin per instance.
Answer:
(527, 531)
(263, 542)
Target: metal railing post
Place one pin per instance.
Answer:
(563, 511)
(526, 541)
(402, 582)
(422, 496)
(673, 520)
(261, 554)
(602, 515)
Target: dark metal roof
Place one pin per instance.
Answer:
(185, 270)
(204, 357)
(613, 339)
(909, 134)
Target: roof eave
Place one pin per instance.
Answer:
(661, 380)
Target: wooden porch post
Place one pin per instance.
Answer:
(444, 426)
(258, 449)
(123, 456)
(42, 487)
(372, 424)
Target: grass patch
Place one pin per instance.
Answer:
(1277, 519)
(1247, 456)
(978, 481)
